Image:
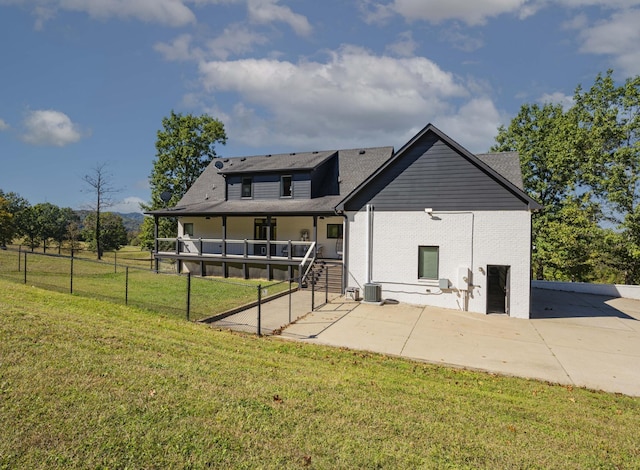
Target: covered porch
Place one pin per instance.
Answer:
(252, 246)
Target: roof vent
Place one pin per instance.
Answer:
(243, 159)
(292, 153)
(268, 155)
(226, 160)
(315, 151)
(362, 152)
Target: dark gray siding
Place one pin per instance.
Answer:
(267, 186)
(432, 174)
(324, 179)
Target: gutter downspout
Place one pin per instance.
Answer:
(368, 245)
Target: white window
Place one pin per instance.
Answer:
(428, 262)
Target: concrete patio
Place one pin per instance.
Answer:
(579, 339)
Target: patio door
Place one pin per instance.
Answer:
(498, 287)
(261, 232)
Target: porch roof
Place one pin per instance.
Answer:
(318, 206)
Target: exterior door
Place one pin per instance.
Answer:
(498, 280)
(261, 232)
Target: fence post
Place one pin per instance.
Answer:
(259, 309)
(19, 256)
(188, 294)
(290, 294)
(326, 285)
(313, 292)
(25, 267)
(115, 261)
(71, 275)
(126, 285)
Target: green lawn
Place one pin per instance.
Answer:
(91, 384)
(139, 287)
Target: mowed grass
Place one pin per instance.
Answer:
(138, 287)
(90, 384)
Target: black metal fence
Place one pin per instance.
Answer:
(257, 307)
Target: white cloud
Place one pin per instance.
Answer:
(127, 205)
(268, 11)
(472, 13)
(49, 127)
(169, 12)
(475, 12)
(3, 125)
(405, 46)
(353, 97)
(179, 49)
(474, 125)
(617, 36)
(557, 98)
(234, 40)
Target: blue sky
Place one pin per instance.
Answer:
(86, 82)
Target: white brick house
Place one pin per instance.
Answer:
(430, 224)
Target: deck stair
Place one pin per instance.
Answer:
(325, 272)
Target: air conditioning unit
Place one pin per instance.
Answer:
(372, 293)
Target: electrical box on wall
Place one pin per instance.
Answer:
(464, 278)
(443, 283)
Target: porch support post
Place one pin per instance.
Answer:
(156, 244)
(315, 235)
(224, 246)
(268, 246)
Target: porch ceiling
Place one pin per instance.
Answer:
(319, 206)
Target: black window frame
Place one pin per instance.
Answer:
(282, 186)
(339, 233)
(246, 182)
(185, 230)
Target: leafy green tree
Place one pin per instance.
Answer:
(545, 137)
(13, 206)
(113, 234)
(29, 227)
(608, 116)
(6, 222)
(185, 145)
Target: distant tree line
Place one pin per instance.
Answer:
(47, 225)
(582, 163)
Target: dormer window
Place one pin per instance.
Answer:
(286, 188)
(247, 183)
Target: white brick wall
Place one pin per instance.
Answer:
(465, 239)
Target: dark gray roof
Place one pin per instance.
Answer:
(356, 168)
(271, 163)
(207, 195)
(505, 163)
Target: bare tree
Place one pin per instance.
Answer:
(101, 187)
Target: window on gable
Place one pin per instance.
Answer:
(334, 230)
(188, 229)
(246, 186)
(286, 188)
(428, 262)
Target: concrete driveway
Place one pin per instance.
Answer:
(579, 339)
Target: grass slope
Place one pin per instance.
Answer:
(90, 384)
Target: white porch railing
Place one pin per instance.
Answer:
(216, 247)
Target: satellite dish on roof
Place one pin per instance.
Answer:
(165, 196)
(218, 164)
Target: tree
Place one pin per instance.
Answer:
(609, 120)
(100, 185)
(544, 137)
(113, 234)
(10, 225)
(583, 165)
(6, 222)
(185, 145)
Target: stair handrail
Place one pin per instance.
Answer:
(310, 253)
